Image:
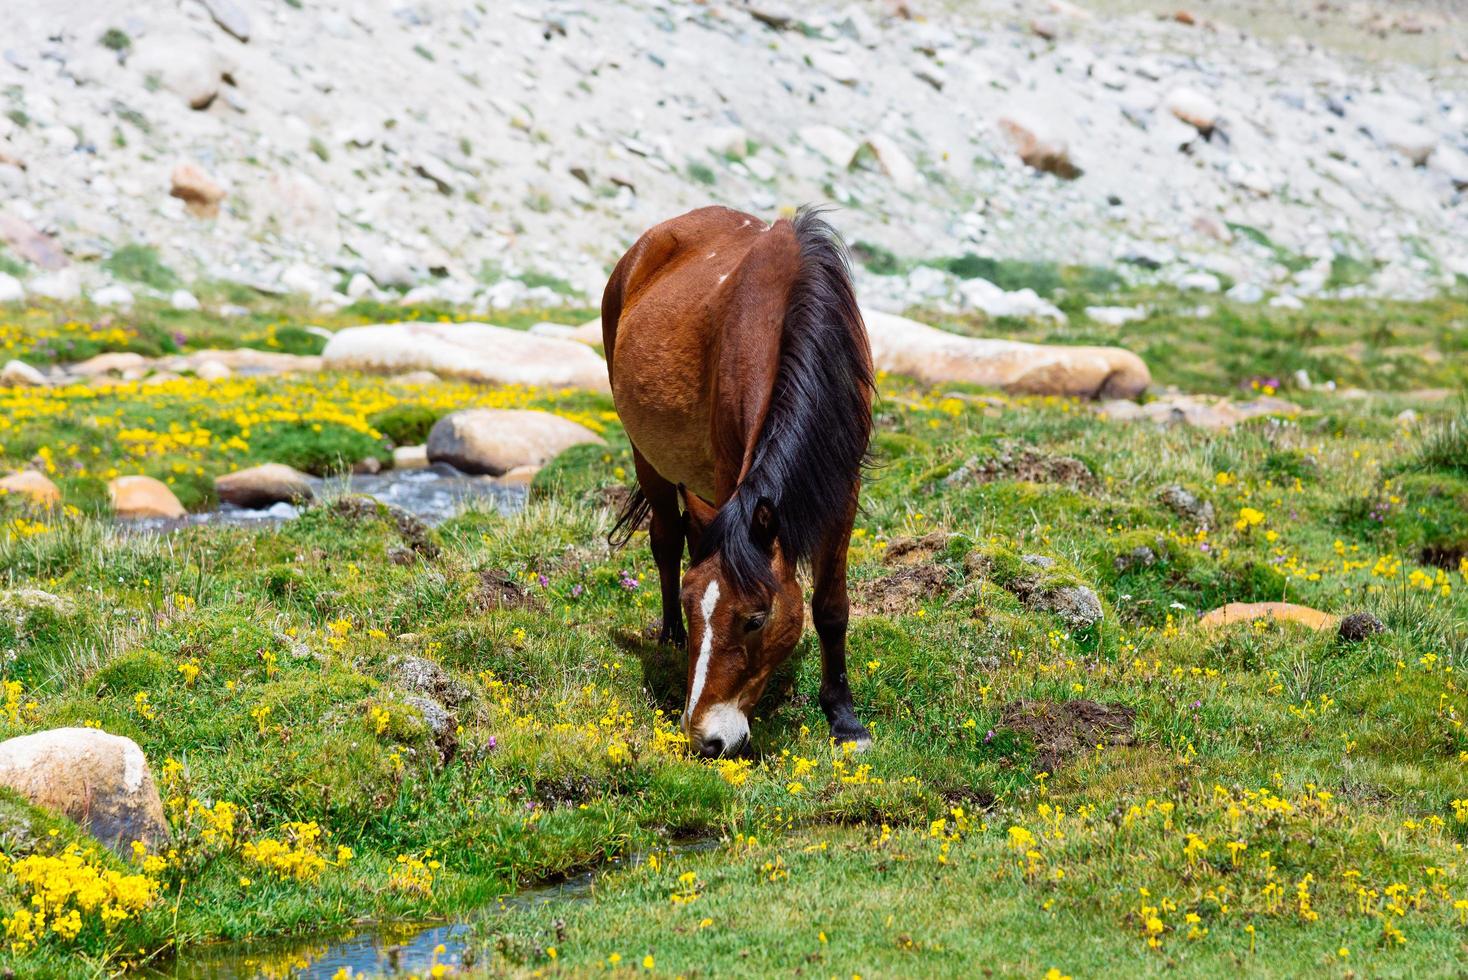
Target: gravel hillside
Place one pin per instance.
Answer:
(500, 152)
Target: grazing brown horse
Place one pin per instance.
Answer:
(740, 368)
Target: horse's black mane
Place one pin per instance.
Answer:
(809, 455)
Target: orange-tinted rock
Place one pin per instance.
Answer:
(1247, 612)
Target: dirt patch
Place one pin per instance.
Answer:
(909, 551)
(1446, 557)
(1024, 464)
(499, 590)
(903, 589)
(971, 798)
(1065, 729)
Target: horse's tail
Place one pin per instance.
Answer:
(631, 517)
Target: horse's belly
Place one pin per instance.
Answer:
(662, 400)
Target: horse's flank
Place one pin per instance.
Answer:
(760, 391)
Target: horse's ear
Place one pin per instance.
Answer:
(697, 513)
(764, 526)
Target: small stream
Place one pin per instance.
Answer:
(384, 948)
(432, 494)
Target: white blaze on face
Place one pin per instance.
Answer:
(706, 606)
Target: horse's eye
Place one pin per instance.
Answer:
(755, 622)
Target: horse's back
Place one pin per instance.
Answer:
(670, 301)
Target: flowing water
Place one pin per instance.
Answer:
(432, 494)
(382, 948)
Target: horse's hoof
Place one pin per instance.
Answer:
(858, 738)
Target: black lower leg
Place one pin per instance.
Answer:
(835, 688)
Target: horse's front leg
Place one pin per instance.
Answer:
(665, 534)
(830, 610)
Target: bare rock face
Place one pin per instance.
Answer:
(496, 441)
(143, 496)
(101, 781)
(199, 192)
(935, 356)
(476, 351)
(261, 486)
(35, 485)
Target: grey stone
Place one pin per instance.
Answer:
(428, 677)
(1078, 606)
(1186, 504)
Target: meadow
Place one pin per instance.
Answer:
(1045, 797)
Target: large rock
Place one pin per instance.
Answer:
(496, 440)
(35, 485)
(477, 351)
(261, 486)
(63, 284)
(143, 496)
(905, 346)
(112, 362)
(19, 374)
(200, 193)
(183, 64)
(11, 289)
(101, 781)
(113, 294)
(30, 243)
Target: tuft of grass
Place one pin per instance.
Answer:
(702, 173)
(1442, 444)
(11, 266)
(140, 263)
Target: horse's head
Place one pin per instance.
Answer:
(738, 631)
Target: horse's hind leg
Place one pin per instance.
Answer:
(665, 533)
(830, 610)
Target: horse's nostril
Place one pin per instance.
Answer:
(711, 748)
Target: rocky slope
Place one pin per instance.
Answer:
(508, 151)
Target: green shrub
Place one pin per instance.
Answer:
(115, 40)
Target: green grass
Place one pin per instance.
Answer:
(563, 750)
(140, 263)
